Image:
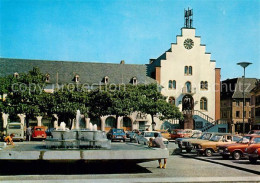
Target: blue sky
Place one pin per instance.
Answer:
(130, 30)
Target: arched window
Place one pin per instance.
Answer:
(203, 104)
(16, 75)
(188, 87)
(190, 70)
(106, 79)
(77, 78)
(186, 70)
(47, 79)
(172, 100)
(170, 84)
(174, 84)
(134, 80)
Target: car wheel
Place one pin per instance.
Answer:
(188, 150)
(144, 143)
(252, 160)
(21, 140)
(225, 156)
(208, 152)
(138, 142)
(236, 155)
(180, 146)
(124, 140)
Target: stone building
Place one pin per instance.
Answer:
(186, 73)
(231, 108)
(255, 106)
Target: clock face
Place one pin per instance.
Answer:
(188, 43)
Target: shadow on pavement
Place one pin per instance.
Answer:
(68, 168)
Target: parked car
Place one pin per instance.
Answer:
(256, 132)
(17, 129)
(253, 150)
(131, 134)
(165, 134)
(194, 136)
(210, 147)
(38, 132)
(236, 150)
(179, 133)
(146, 135)
(187, 143)
(116, 134)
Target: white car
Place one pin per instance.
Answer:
(146, 135)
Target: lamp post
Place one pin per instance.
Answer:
(244, 65)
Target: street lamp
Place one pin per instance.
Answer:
(244, 65)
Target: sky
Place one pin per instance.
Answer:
(109, 31)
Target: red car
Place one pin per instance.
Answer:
(179, 133)
(253, 150)
(38, 132)
(236, 150)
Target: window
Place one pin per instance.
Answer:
(237, 114)
(203, 104)
(186, 70)
(190, 70)
(170, 84)
(188, 87)
(134, 81)
(237, 103)
(47, 79)
(204, 85)
(77, 78)
(16, 75)
(172, 100)
(174, 84)
(106, 79)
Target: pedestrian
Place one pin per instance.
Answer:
(158, 142)
(9, 139)
(28, 133)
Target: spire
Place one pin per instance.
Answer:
(188, 18)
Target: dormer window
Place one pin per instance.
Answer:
(77, 78)
(47, 79)
(134, 80)
(16, 75)
(106, 79)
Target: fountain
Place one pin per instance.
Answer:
(78, 138)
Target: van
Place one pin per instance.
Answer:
(17, 129)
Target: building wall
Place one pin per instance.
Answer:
(236, 107)
(203, 69)
(217, 93)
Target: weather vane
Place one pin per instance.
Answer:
(188, 18)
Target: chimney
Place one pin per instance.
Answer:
(122, 62)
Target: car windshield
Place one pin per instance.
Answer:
(205, 136)
(216, 138)
(245, 139)
(256, 140)
(195, 135)
(39, 129)
(177, 132)
(119, 130)
(14, 127)
(151, 134)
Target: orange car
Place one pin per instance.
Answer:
(253, 150)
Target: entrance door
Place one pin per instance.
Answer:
(187, 103)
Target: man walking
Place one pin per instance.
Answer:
(29, 133)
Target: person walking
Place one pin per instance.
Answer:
(158, 142)
(28, 133)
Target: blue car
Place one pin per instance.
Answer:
(116, 134)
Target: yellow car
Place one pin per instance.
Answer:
(165, 134)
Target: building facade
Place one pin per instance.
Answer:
(232, 103)
(255, 106)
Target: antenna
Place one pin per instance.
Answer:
(188, 18)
